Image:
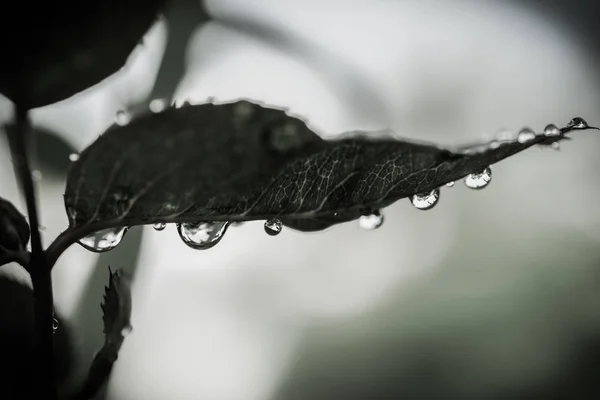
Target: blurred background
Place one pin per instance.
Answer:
(492, 294)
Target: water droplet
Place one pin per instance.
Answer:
(123, 117)
(104, 240)
(371, 221)
(578, 123)
(526, 135)
(127, 330)
(479, 180)
(36, 175)
(555, 146)
(159, 226)
(73, 157)
(244, 109)
(273, 227)
(450, 184)
(286, 137)
(54, 324)
(72, 213)
(202, 235)
(494, 144)
(505, 135)
(551, 130)
(157, 105)
(426, 201)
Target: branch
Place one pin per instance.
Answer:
(38, 266)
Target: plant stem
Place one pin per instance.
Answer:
(39, 269)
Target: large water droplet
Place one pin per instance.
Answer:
(159, 226)
(526, 135)
(479, 180)
(426, 201)
(73, 157)
(104, 240)
(273, 227)
(371, 221)
(122, 118)
(551, 130)
(202, 235)
(578, 123)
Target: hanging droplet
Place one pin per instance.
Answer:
(371, 221)
(157, 105)
(36, 175)
(273, 227)
(526, 135)
(479, 180)
(159, 226)
(551, 130)
(104, 240)
(123, 118)
(577, 123)
(450, 184)
(54, 324)
(202, 235)
(73, 157)
(555, 146)
(426, 201)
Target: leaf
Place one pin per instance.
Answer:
(116, 308)
(56, 51)
(242, 161)
(116, 314)
(14, 233)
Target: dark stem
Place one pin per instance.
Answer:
(39, 268)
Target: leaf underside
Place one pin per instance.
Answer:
(243, 161)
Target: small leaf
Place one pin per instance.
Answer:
(14, 233)
(53, 52)
(116, 314)
(116, 308)
(242, 161)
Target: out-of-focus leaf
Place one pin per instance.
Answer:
(242, 161)
(55, 50)
(14, 232)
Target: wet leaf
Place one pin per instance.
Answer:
(14, 232)
(55, 51)
(241, 161)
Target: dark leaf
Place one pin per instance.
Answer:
(14, 233)
(116, 314)
(116, 308)
(242, 161)
(53, 51)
